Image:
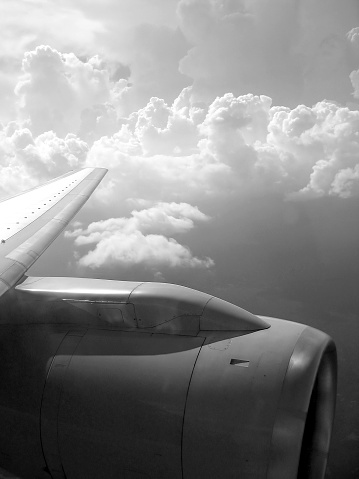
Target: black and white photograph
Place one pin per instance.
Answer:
(179, 239)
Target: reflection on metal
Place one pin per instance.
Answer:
(159, 307)
(32, 220)
(18, 212)
(239, 362)
(303, 425)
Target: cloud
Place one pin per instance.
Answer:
(85, 96)
(215, 154)
(26, 160)
(321, 143)
(236, 107)
(237, 146)
(354, 78)
(162, 129)
(346, 182)
(187, 151)
(24, 25)
(291, 51)
(9, 72)
(56, 87)
(232, 129)
(155, 52)
(97, 121)
(137, 248)
(146, 38)
(122, 17)
(136, 240)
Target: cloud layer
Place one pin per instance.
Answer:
(204, 106)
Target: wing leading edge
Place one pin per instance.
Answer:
(31, 221)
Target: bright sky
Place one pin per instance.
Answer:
(230, 129)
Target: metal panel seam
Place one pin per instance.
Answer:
(129, 296)
(185, 403)
(43, 391)
(58, 352)
(62, 389)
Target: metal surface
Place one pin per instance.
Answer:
(21, 210)
(25, 357)
(122, 405)
(252, 423)
(51, 401)
(231, 410)
(136, 404)
(31, 221)
(96, 290)
(159, 307)
(309, 387)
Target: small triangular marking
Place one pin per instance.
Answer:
(239, 362)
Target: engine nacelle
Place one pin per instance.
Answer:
(124, 399)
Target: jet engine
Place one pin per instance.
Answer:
(115, 379)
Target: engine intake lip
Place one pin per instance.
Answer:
(303, 425)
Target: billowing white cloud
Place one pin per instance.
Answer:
(321, 143)
(188, 151)
(117, 108)
(26, 160)
(232, 129)
(136, 240)
(240, 145)
(56, 87)
(161, 129)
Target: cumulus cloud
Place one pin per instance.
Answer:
(291, 51)
(162, 129)
(87, 96)
(189, 151)
(135, 240)
(145, 37)
(123, 33)
(56, 87)
(238, 145)
(321, 143)
(175, 116)
(26, 159)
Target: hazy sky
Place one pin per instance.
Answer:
(230, 129)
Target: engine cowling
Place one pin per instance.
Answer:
(132, 399)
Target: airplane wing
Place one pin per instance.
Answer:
(30, 221)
